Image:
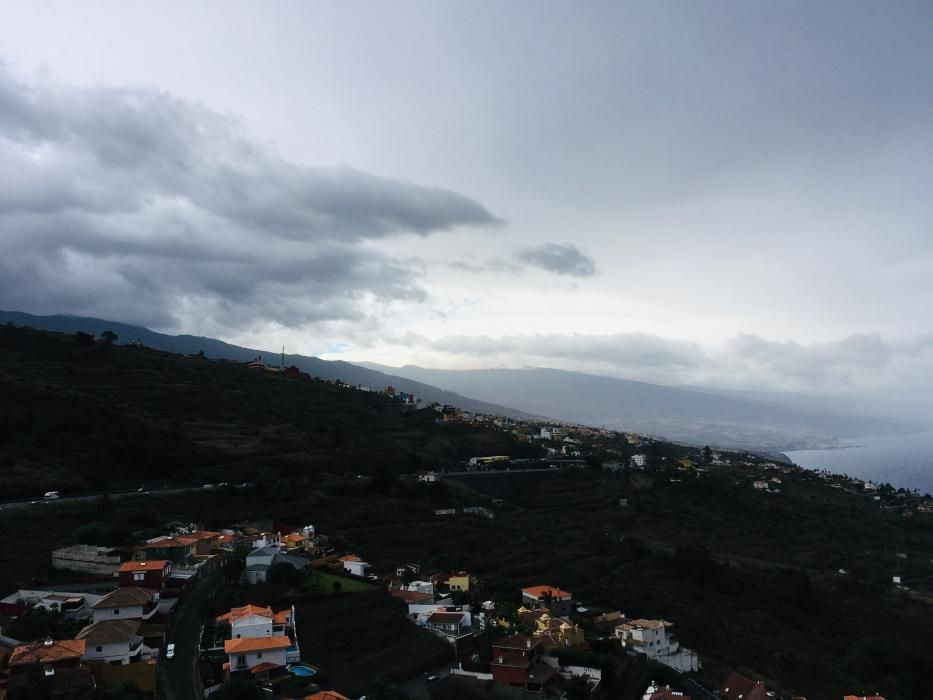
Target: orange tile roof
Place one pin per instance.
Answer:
(264, 666)
(541, 591)
(151, 565)
(245, 611)
(45, 653)
(281, 617)
(349, 557)
(238, 646)
(327, 695)
(294, 538)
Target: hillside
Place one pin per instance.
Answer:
(678, 414)
(84, 417)
(218, 349)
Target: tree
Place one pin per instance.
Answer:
(109, 337)
(577, 688)
(707, 455)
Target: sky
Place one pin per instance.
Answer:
(727, 194)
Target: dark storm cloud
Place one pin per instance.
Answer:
(562, 259)
(137, 205)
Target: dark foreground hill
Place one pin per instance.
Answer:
(218, 349)
(79, 417)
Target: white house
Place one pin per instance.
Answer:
(128, 603)
(352, 564)
(651, 638)
(259, 561)
(420, 587)
(419, 612)
(72, 606)
(256, 654)
(761, 485)
(639, 460)
(256, 622)
(114, 642)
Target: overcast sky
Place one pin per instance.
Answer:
(734, 194)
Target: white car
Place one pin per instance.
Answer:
(170, 652)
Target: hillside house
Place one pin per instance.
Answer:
(128, 603)
(553, 632)
(60, 661)
(50, 654)
(89, 559)
(557, 601)
(71, 606)
(657, 692)
(151, 574)
(254, 622)
(257, 656)
(651, 638)
(738, 687)
(114, 642)
(260, 561)
(449, 625)
(352, 564)
(516, 662)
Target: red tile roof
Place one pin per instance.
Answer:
(542, 591)
(327, 695)
(738, 687)
(47, 652)
(245, 644)
(245, 611)
(264, 666)
(446, 617)
(151, 565)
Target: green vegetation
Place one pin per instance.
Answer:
(320, 581)
(79, 416)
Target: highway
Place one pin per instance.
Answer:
(77, 498)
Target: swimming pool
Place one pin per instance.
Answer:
(301, 671)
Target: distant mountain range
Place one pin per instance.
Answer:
(685, 415)
(215, 349)
(681, 414)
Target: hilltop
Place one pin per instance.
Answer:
(218, 349)
(88, 416)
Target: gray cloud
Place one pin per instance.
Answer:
(562, 259)
(745, 361)
(140, 206)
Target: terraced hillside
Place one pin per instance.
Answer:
(84, 416)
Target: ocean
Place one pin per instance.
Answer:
(904, 461)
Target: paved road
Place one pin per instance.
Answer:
(417, 687)
(179, 678)
(38, 501)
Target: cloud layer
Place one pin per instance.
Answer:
(135, 205)
(562, 259)
(745, 361)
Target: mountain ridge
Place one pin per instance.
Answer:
(216, 349)
(681, 414)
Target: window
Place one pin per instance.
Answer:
(100, 648)
(116, 611)
(259, 655)
(139, 576)
(241, 661)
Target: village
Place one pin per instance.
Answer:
(151, 615)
